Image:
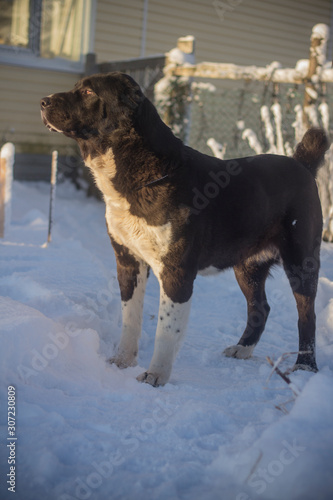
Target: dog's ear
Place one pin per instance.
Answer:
(133, 97)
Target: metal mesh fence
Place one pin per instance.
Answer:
(224, 114)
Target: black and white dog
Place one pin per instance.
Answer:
(180, 212)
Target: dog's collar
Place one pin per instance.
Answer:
(155, 181)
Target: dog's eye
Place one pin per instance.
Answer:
(87, 92)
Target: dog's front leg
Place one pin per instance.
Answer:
(171, 327)
(132, 278)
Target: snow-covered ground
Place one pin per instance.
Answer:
(87, 430)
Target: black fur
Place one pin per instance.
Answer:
(310, 152)
(247, 213)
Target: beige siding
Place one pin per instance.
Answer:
(118, 29)
(252, 32)
(20, 92)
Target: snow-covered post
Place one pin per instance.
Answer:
(317, 59)
(269, 131)
(7, 158)
(276, 110)
(54, 169)
(173, 93)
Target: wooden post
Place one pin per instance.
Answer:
(317, 59)
(173, 93)
(91, 66)
(7, 156)
(3, 164)
(54, 168)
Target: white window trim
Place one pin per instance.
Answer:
(16, 56)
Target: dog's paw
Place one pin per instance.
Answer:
(308, 368)
(239, 351)
(151, 378)
(123, 361)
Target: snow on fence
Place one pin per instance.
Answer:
(239, 122)
(7, 156)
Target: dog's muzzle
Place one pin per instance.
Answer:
(45, 103)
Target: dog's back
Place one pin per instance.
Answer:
(245, 206)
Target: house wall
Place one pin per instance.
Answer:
(239, 31)
(20, 92)
(118, 29)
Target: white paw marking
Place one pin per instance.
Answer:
(123, 361)
(151, 379)
(239, 351)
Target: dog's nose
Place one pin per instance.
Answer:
(45, 102)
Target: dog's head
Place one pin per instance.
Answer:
(97, 106)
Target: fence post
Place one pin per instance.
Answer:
(173, 93)
(317, 59)
(7, 157)
(91, 66)
(54, 169)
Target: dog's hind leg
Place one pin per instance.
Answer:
(251, 276)
(132, 278)
(302, 269)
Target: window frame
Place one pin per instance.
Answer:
(30, 57)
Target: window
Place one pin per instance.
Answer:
(51, 30)
(14, 23)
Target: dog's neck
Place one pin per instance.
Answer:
(125, 165)
(158, 137)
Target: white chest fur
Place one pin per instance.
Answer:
(150, 243)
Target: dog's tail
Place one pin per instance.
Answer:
(312, 148)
